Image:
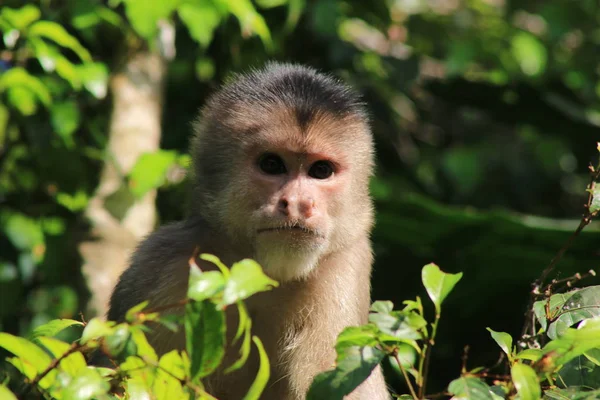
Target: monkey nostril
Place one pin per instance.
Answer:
(283, 206)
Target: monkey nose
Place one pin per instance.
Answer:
(296, 208)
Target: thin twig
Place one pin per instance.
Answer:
(585, 220)
(75, 347)
(406, 377)
(424, 364)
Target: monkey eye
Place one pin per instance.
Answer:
(271, 164)
(321, 170)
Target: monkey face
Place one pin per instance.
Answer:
(282, 162)
(293, 193)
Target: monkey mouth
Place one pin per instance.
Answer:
(295, 228)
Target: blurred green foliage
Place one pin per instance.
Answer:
(485, 112)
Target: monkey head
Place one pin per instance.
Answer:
(282, 160)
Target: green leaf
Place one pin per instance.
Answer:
(94, 77)
(119, 343)
(399, 324)
(384, 307)
(25, 350)
(24, 233)
(86, 385)
(204, 285)
(469, 388)
(217, 262)
(21, 18)
(530, 354)
(438, 284)
(144, 15)
(168, 385)
(65, 118)
(205, 337)
(271, 3)
(568, 309)
(526, 382)
(59, 35)
(504, 340)
(143, 348)
(73, 364)
(19, 78)
(6, 394)
(574, 342)
(245, 329)
(23, 100)
(354, 365)
(201, 19)
(530, 53)
(246, 279)
(572, 393)
(262, 377)
(137, 389)
(53, 328)
(150, 171)
(250, 20)
(365, 335)
(595, 204)
(95, 329)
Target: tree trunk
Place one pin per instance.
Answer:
(135, 128)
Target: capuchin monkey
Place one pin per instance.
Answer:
(282, 158)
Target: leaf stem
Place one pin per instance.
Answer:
(424, 361)
(406, 377)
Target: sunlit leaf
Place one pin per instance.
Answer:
(19, 77)
(25, 350)
(365, 335)
(6, 394)
(354, 365)
(264, 372)
(246, 279)
(96, 328)
(21, 18)
(438, 284)
(530, 53)
(143, 348)
(595, 204)
(568, 309)
(204, 285)
(201, 19)
(250, 20)
(94, 77)
(24, 233)
(504, 340)
(150, 170)
(271, 3)
(168, 385)
(86, 385)
(53, 328)
(469, 388)
(57, 33)
(73, 364)
(65, 118)
(526, 382)
(144, 16)
(244, 332)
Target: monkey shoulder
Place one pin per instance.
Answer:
(158, 270)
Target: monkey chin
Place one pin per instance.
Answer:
(286, 262)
